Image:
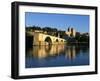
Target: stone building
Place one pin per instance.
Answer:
(71, 32)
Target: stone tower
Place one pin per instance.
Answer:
(73, 32)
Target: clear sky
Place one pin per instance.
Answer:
(60, 21)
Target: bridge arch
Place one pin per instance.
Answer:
(62, 41)
(48, 40)
(57, 40)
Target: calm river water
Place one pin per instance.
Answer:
(57, 55)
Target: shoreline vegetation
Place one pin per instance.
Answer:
(70, 35)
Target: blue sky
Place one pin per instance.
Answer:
(59, 21)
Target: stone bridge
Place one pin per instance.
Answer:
(44, 39)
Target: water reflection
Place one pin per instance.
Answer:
(57, 55)
(46, 51)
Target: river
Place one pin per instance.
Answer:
(56, 56)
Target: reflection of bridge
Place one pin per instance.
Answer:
(45, 51)
(53, 50)
(44, 39)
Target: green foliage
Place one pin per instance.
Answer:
(82, 38)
